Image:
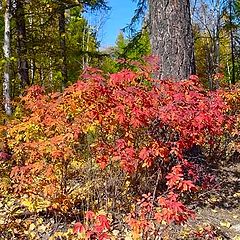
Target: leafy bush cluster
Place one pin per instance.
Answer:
(112, 156)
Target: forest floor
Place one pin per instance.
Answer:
(219, 207)
(222, 206)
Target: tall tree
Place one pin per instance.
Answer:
(62, 7)
(134, 48)
(233, 80)
(172, 38)
(216, 40)
(21, 43)
(63, 48)
(7, 56)
(46, 42)
(208, 18)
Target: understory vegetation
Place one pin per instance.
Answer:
(115, 156)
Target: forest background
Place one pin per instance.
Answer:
(45, 53)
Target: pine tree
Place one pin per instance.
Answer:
(171, 37)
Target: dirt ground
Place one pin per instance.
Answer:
(220, 206)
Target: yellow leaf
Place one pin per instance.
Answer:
(69, 231)
(101, 212)
(39, 221)
(164, 222)
(237, 194)
(128, 238)
(33, 235)
(225, 223)
(28, 203)
(115, 232)
(213, 199)
(42, 228)
(31, 227)
(237, 237)
(42, 204)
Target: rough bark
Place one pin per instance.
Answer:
(23, 66)
(172, 38)
(7, 56)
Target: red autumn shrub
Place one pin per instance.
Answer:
(95, 227)
(109, 138)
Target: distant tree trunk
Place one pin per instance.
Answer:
(23, 66)
(172, 38)
(233, 81)
(7, 55)
(32, 61)
(217, 39)
(63, 49)
(83, 48)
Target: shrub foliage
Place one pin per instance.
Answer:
(119, 143)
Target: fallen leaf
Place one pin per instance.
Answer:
(237, 194)
(237, 237)
(225, 223)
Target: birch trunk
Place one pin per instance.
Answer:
(7, 55)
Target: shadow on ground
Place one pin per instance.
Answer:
(220, 205)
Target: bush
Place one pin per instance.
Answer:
(119, 143)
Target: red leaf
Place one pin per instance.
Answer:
(103, 221)
(144, 153)
(104, 236)
(89, 215)
(98, 228)
(78, 228)
(187, 185)
(193, 78)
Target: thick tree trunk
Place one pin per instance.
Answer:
(63, 49)
(7, 55)
(23, 66)
(172, 38)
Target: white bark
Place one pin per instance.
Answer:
(7, 55)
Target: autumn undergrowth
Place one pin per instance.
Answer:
(114, 156)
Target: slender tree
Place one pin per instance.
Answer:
(62, 7)
(171, 37)
(63, 48)
(233, 80)
(23, 66)
(209, 20)
(7, 56)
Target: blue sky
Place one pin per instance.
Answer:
(118, 17)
